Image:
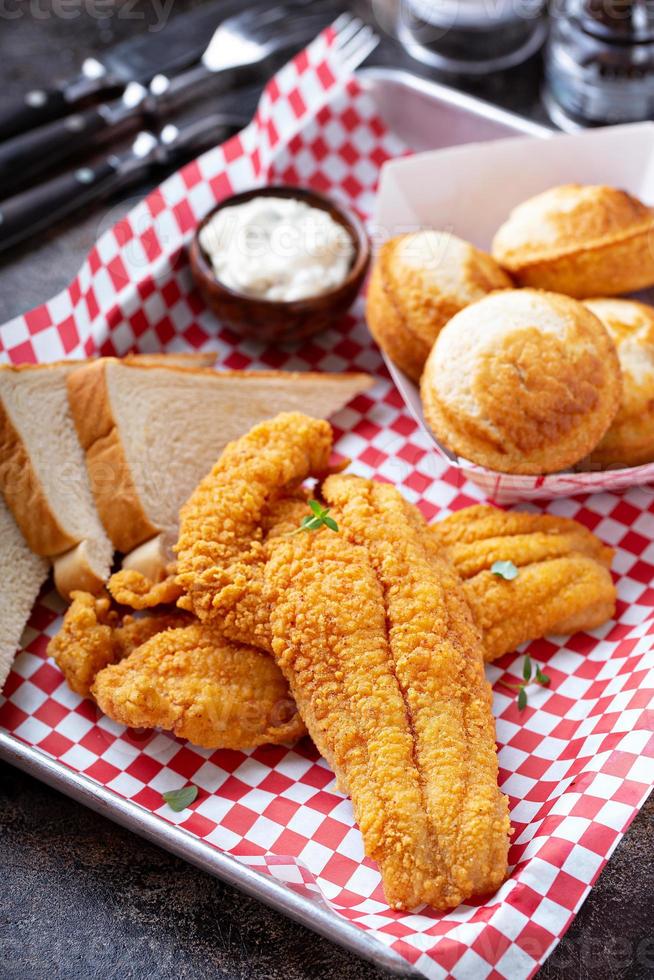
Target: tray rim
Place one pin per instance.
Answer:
(314, 916)
(180, 842)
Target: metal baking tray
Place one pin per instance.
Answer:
(426, 116)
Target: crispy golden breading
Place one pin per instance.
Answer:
(92, 636)
(564, 583)
(378, 646)
(169, 671)
(194, 683)
(220, 549)
(458, 844)
(132, 588)
(558, 596)
(471, 534)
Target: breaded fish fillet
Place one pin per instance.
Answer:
(563, 585)
(93, 635)
(220, 552)
(434, 656)
(378, 646)
(167, 670)
(477, 536)
(194, 683)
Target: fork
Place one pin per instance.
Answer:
(243, 46)
(353, 42)
(246, 38)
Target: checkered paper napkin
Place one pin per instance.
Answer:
(576, 764)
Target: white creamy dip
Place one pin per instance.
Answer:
(277, 248)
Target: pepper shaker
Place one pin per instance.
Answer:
(599, 65)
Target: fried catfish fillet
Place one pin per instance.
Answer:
(169, 671)
(441, 835)
(220, 551)
(378, 646)
(195, 683)
(94, 635)
(564, 583)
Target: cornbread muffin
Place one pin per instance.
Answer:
(630, 439)
(522, 382)
(579, 240)
(419, 281)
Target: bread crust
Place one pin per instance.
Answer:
(598, 241)
(406, 312)
(153, 559)
(522, 382)
(390, 330)
(22, 488)
(114, 492)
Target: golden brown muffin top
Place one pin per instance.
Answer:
(568, 219)
(433, 274)
(523, 381)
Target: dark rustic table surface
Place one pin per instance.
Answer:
(80, 896)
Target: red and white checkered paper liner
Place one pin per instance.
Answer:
(576, 764)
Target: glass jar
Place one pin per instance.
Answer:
(599, 65)
(469, 37)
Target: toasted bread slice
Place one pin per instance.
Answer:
(151, 433)
(22, 573)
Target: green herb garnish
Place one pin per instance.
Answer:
(529, 678)
(319, 517)
(180, 799)
(505, 569)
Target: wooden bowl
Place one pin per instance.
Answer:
(276, 320)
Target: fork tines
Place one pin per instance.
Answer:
(354, 40)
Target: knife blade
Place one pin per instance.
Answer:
(176, 46)
(37, 209)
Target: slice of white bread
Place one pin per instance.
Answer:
(22, 574)
(42, 470)
(43, 474)
(151, 433)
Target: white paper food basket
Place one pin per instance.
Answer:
(469, 191)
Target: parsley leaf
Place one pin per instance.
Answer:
(528, 678)
(180, 799)
(319, 517)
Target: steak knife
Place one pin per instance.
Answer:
(171, 49)
(36, 209)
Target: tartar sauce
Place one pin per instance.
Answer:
(277, 248)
